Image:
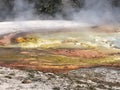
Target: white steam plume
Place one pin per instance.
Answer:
(94, 11)
(24, 10)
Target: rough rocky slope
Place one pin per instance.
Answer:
(82, 79)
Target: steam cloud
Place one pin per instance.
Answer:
(93, 11)
(23, 10)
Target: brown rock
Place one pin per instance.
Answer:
(9, 77)
(26, 81)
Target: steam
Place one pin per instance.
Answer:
(23, 10)
(93, 12)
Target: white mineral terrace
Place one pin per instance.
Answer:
(7, 27)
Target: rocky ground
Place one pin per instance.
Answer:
(82, 79)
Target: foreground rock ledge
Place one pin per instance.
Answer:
(82, 79)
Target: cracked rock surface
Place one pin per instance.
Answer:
(83, 79)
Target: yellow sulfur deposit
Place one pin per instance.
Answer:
(35, 42)
(20, 40)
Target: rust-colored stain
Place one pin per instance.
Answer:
(78, 53)
(53, 69)
(59, 59)
(30, 60)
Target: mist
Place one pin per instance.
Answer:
(22, 16)
(92, 11)
(23, 10)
